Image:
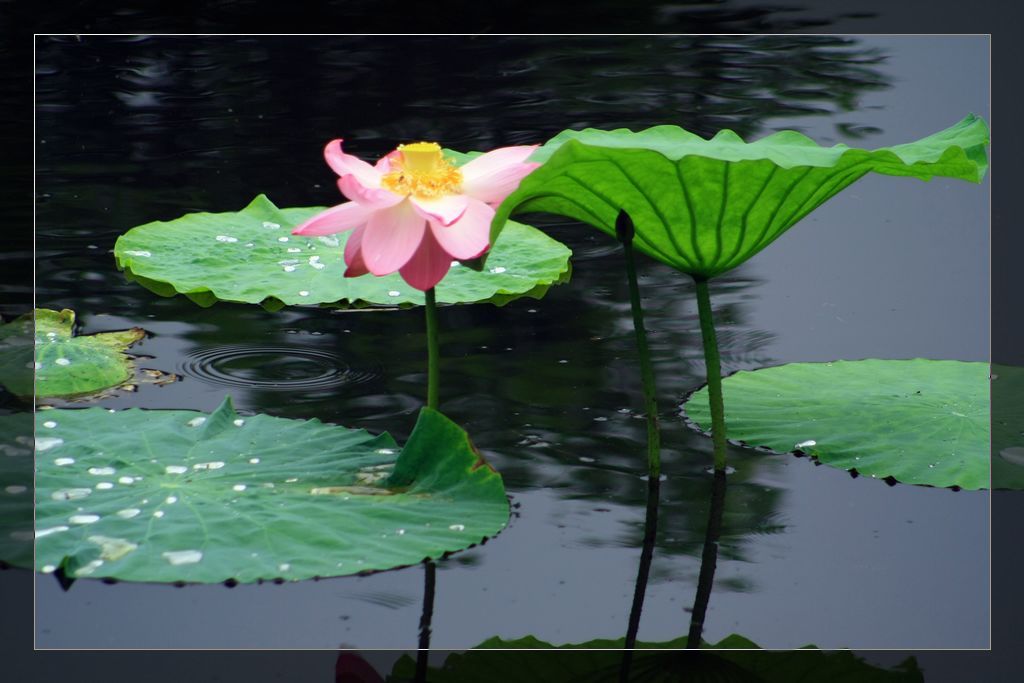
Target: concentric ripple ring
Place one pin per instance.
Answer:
(275, 368)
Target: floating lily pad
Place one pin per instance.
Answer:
(1007, 427)
(918, 421)
(706, 206)
(734, 658)
(250, 256)
(65, 364)
(175, 495)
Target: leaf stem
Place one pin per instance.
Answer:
(624, 231)
(433, 352)
(713, 365)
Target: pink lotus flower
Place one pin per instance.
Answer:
(414, 212)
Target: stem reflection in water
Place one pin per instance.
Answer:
(646, 555)
(430, 571)
(708, 560)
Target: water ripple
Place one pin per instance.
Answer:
(277, 368)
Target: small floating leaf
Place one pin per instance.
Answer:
(734, 658)
(706, 206)
(65, 364)
(918, 421)
(218, 500)
(267, 265)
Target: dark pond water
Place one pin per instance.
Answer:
(138, 129)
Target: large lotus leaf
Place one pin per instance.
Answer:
(65, 364)
(918, 421)
(734, 658)
(176, 495)
(706, 206)
(250, 256)
(1007, 427)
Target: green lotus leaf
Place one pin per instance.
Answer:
(250, 256)
(1007, 427)
(460, 158)
(177, 495)
(706, 206)
(734, 658)
(65, 364)
(917, 421)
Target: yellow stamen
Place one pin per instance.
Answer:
(422, 171)
(421, 157)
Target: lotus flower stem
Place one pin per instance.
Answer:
(713, 370)
(433, 352)
(624, 231)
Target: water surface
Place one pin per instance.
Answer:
(139, 129)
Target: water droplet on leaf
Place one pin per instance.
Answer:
(178, 557)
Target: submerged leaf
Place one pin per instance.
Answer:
(64, 364)
(250, 256)
(918, 421)
(734, 658)
(177, 495)
(706, 206)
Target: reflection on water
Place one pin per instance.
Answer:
(144, 164)
(643, 573)
(16, 478)
(133, 130)
(463, 16)
(708, 560)
(16, 439)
